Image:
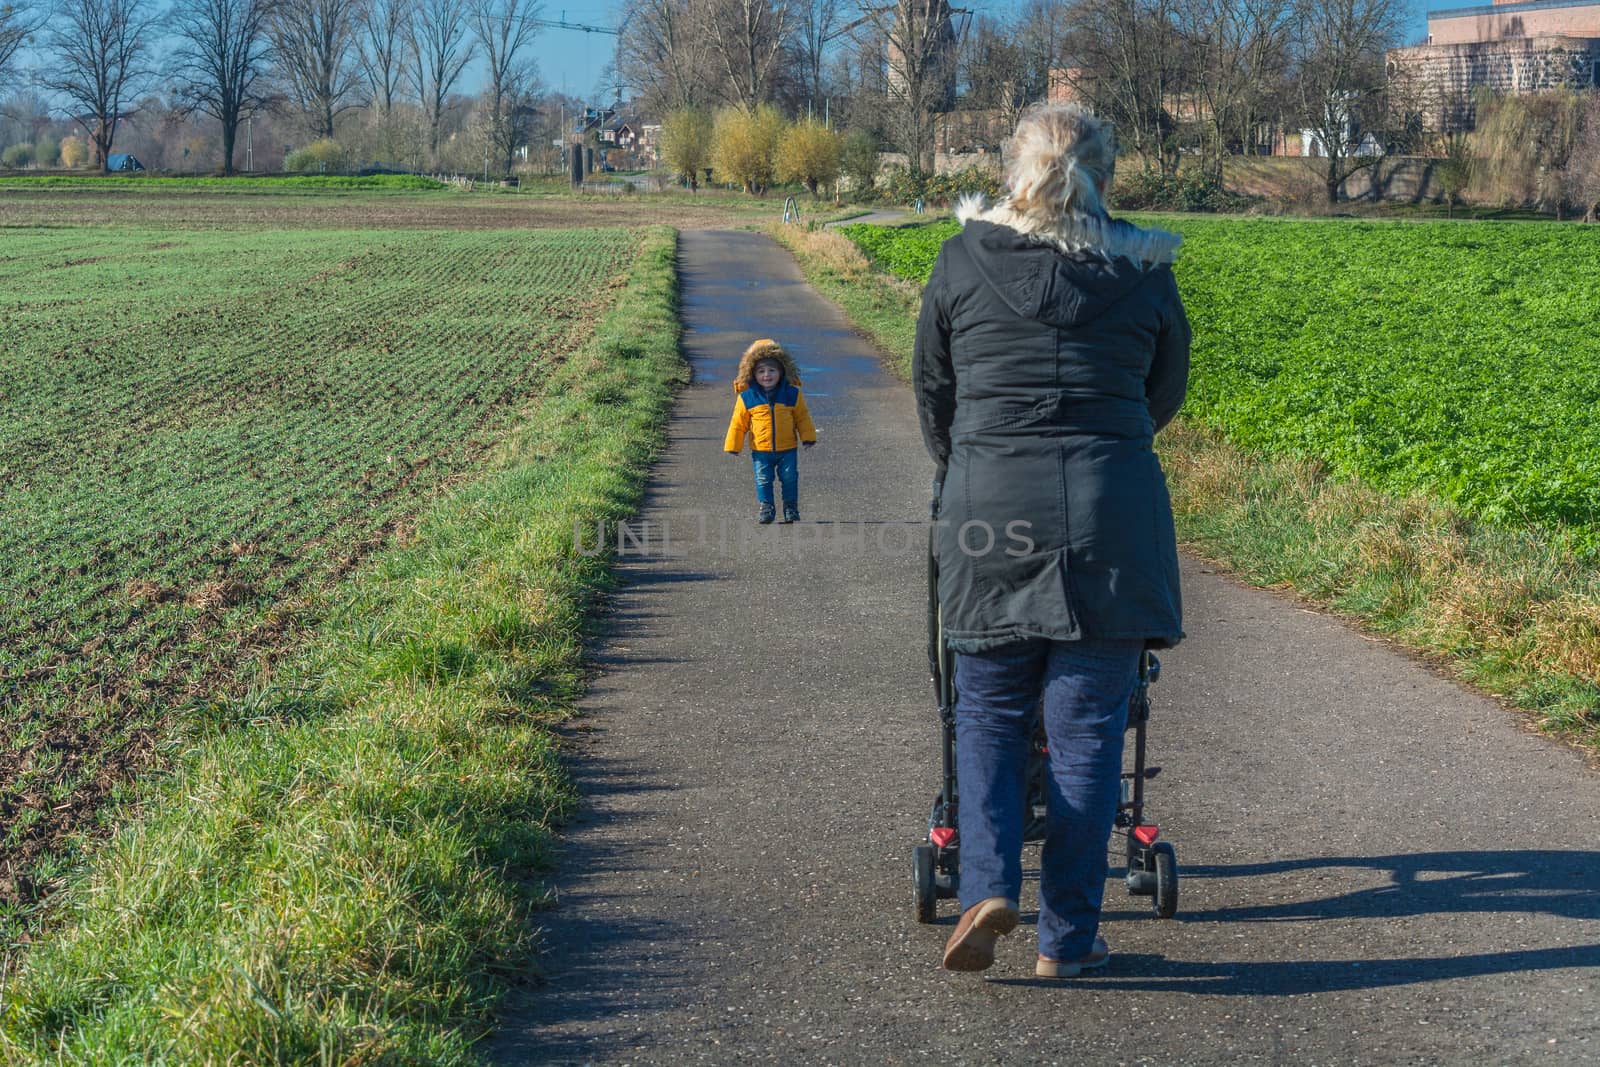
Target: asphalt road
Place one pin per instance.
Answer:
(1377, 866)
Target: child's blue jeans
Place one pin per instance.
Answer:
(786, 465)
(1084, 688)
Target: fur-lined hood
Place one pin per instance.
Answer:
(766, 348)
(1075, 233)
(1067, 273)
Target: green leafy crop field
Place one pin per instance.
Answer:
(198, 426)
(1462, 361)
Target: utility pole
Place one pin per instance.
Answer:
(249, 142)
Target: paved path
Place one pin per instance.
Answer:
(876, 218)
(1377, 866)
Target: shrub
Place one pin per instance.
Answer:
(46, 151)
(17, 156)
(949, 187)
(745, 146)
(324, 155)
(858, 159)
(686, 141)
(74, 153)
(900, 186)
(1187, 191)
(809, 155)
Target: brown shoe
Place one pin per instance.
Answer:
(1098, 957)
(971, 947)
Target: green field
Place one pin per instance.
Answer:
(200, 428)
(1460, 361)
(288, 601)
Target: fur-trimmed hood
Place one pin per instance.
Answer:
(758, 351)
(1067, 272)
(1075, 233)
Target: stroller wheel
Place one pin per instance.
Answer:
(922, 868)
(1166, 895)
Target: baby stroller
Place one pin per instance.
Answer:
(1152, 865)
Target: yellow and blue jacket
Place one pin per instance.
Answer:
(775, 422)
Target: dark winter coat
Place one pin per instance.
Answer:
(1046, 360)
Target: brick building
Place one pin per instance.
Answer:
(1525, 47)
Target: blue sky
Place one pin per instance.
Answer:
(574, 59)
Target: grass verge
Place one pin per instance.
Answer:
(882, 306)
(342, 870)
(1515, 612)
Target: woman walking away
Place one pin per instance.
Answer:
(1052, 345)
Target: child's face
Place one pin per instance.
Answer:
(767, 374)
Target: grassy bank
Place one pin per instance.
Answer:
(343, 868)
(882, 306)
(1514, 610)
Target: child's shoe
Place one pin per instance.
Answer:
(791, 513)
(768, 513)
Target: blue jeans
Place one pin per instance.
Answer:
(786, 465)
(1084, 688)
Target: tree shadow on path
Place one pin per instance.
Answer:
(1549, 882)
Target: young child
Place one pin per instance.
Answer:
(772, 412)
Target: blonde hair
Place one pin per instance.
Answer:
(760, 351)
(1057, 159)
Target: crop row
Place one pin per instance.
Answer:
(1461, 361)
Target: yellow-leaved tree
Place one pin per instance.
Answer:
(686, 144)
(809, 155)
(745, 146)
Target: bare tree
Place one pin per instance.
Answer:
(315, 42)
(1041, 33)
(919, 46)
(998, 74)
(440, 44)
(505, 29)
(815, 27)
(219, 66)
(1339, 50)
(747, 36)
(1124, 60)
(666, 53)
(858, 87)
(101, 63)
(1237, 52)
(17, 23)
(1453, 171)
(381, 50)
